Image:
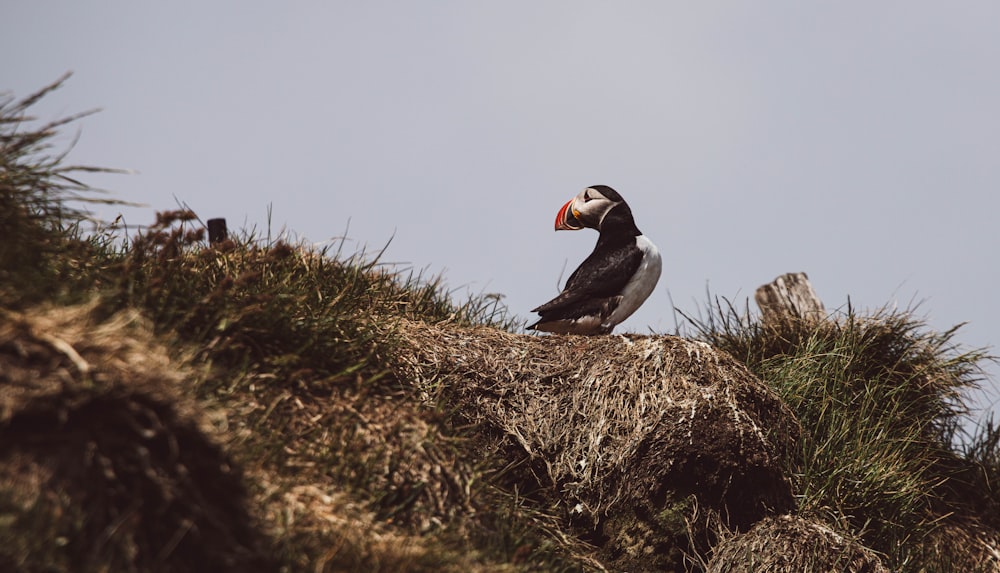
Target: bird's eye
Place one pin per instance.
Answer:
(586, 197)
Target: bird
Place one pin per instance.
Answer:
(617, 277)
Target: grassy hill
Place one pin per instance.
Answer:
(170, 405)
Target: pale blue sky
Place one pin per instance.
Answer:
(856, 141)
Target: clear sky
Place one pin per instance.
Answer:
(856, 141)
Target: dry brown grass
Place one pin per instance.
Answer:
(105, 460)
(620, 429)
(788, 544)
(333, 532)
(961, 543)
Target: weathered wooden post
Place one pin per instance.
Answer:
(217, 231)
(789, 297)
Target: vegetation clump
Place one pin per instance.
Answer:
(608, 431)
(882, 454)
(790, 544)
(253, 404)
(106, 462)
(40, 205)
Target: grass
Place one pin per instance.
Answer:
(41, 204)
(280, 360)
(289, 343)
(879, 397)
(298, 342)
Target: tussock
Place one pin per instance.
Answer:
(960, 543)
(787, 544)
(616, 425)
(880, 398)
(104, 460)
(41, 203)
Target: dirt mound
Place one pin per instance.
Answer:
(616, 429)
(788, 544)
(105, 462)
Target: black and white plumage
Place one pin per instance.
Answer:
(614, 280)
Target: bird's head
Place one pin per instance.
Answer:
(588, 208)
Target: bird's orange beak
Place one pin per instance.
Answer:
(566, 219)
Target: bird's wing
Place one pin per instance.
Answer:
(596, 277)
(605, 276)
(565, 298)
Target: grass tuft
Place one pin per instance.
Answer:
(880, 398)
(41, 204)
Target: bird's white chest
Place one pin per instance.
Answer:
(642, 283)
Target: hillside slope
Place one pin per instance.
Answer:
(170, 405)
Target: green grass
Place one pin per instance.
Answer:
(880, 400)
(42, 204)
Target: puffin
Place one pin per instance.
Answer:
(611, 283)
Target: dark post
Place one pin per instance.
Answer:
(217, 231)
